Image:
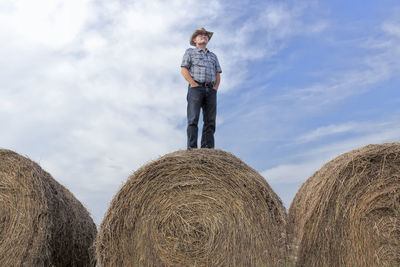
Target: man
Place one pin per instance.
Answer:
(200, 67)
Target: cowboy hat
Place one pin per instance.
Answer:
(200, 31)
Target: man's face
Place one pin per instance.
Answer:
(201, 39)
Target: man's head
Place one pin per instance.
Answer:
(200, 37)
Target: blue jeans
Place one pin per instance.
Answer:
(206, 99)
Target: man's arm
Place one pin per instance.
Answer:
(186, 74)
(218, 76)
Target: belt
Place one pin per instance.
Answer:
(206, 84)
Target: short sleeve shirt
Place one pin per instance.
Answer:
(203, 66)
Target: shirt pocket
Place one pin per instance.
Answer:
(198, 61)
(213, 62)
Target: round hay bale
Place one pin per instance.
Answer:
(348, 212)
(41, 222)
(201, 207)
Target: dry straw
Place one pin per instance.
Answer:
(41, 222)
(201, 207)
(348, 212)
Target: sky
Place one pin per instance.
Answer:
(92, 90)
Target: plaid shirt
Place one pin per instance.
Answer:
(201, 65)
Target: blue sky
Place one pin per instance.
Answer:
(91, 90)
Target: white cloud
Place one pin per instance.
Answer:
(314, 157)
(392, 28)
(326, 131)
(378, 66)
(260, 34)
(45, 22)
(292, 173)
(344, 128)
(343, 85)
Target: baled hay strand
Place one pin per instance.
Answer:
(201, 207)
(348, 212)
(41, 222)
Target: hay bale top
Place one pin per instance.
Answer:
(349, 211)
(201, 207)
(41, 222)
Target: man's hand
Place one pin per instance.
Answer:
(194, 84)
(186, 74)
(215, 87)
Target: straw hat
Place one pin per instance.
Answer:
(200, 31)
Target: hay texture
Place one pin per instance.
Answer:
(348, 212)
(41, 222)
(201, 207)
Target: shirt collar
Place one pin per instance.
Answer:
(199, 49)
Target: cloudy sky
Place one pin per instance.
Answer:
(92, 90)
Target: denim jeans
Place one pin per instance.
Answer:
(206, 99)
